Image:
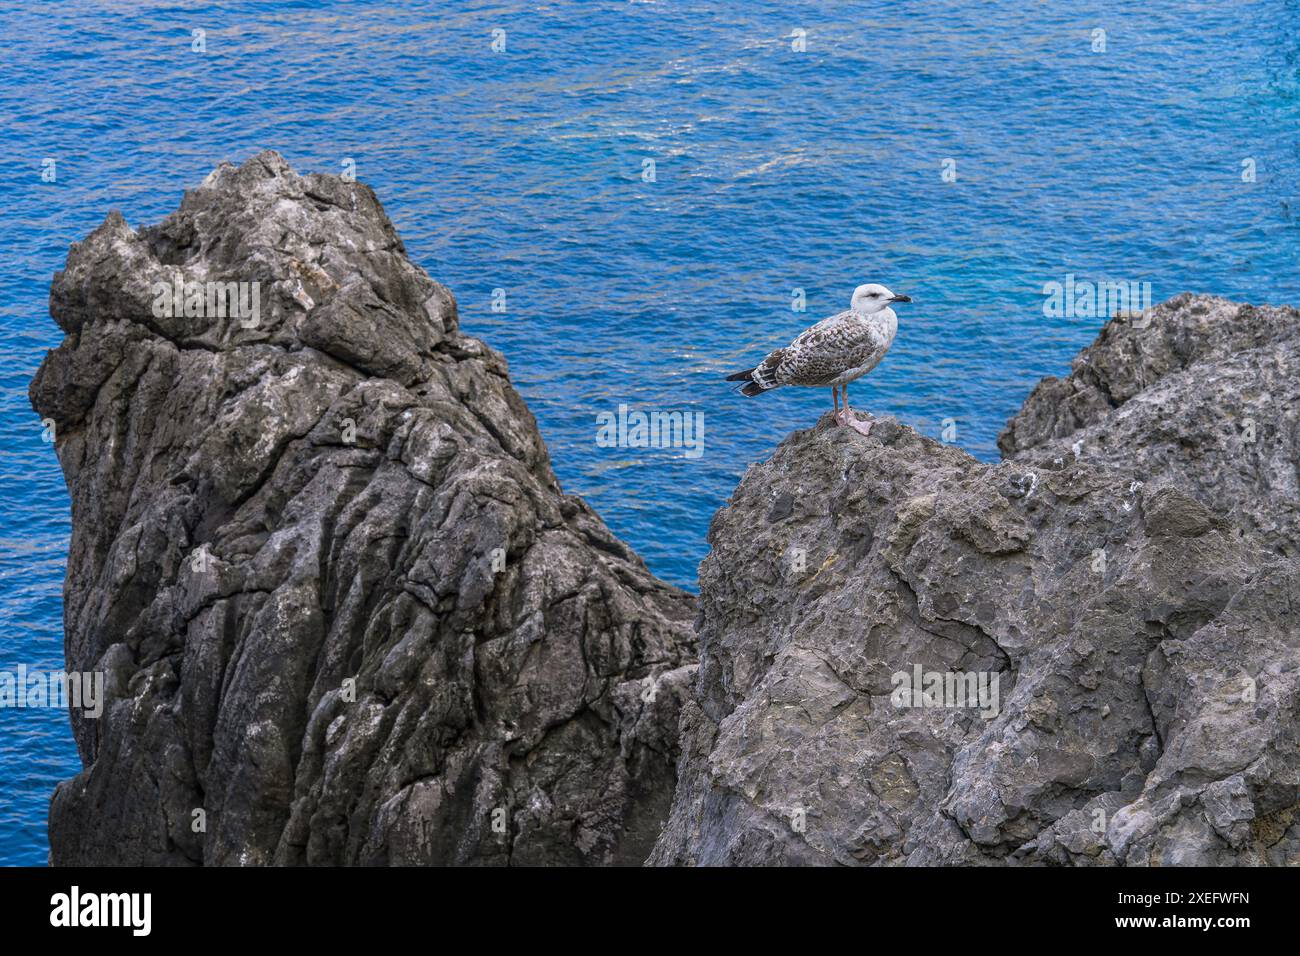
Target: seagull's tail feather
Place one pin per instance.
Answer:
(751, 386)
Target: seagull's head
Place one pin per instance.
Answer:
(872, 298)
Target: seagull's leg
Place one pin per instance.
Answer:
(839, 413)
(862, 428)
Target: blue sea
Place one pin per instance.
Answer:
(653, 186)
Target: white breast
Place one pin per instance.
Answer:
(884, 325)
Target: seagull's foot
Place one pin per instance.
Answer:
(846, 417)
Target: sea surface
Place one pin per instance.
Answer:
(649, 185)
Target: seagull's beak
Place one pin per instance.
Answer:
(901, 298)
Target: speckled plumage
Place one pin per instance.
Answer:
(835, 351)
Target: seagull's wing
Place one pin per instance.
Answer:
(819, 354)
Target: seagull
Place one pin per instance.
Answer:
(837, 350)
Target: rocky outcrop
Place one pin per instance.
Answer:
(1200, 392)
(1088, 654)
(346, 613)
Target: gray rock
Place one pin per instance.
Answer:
(1140, 621)
(1203, 394)
(346, 613)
